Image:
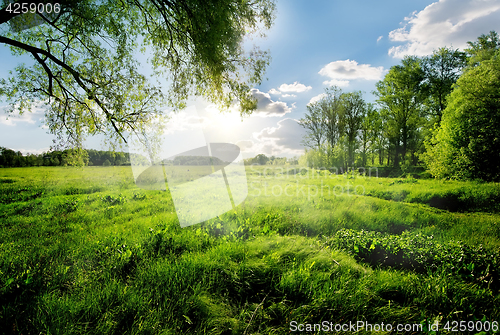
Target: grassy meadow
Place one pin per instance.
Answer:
(85, 251)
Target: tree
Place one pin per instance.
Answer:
(120, 158)
(260, 159)
(312, 158)
(75, 157)
(332, 111)
(467, 144)
(324, 126)
(354, 109)
(441, 70)
(370, 128)
(313, 123)
(483, 49)
(85, 65)
(8, 157)
(333, 124)
(400, 95)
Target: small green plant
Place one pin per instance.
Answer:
(139, 196)
(113, 200)
(70, 205)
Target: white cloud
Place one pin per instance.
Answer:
(12, 120)
(379, 38)
(448, 23)
(266, 107)
(283, 140)
(295, 87)
(245, 145)
(317, 98)
(336, 82)
(187, 119)
(33, 151)
(36, 116)
(350, 69)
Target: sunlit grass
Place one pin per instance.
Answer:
(84, 251)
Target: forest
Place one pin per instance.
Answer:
(91, 157)
(67, 157)
(441, 111)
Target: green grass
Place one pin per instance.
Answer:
(84, 251)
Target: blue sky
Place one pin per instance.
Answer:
(313, 44)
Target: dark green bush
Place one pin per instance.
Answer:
(421, 253)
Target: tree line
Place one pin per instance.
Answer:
(441, 111)
(262, 159)
(68, 157)
(195, 161)
(91, 157)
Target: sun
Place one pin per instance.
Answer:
(224, 126)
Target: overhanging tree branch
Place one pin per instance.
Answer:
(85, 61)
(78, 78)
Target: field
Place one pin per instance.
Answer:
(85, 251)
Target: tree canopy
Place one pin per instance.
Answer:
(86, 69)
(400, 95)
(467, 145)
(441, 70)
(483, 49)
